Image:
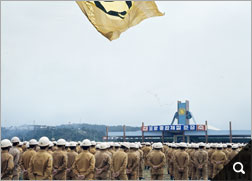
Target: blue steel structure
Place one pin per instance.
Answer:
(183, 115)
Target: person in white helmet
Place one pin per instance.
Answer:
(102, 163)
(233, 152)
(201, 162)
(116, 146)
(170, 155)
(92, 148)
(7, 164)
(40, 166)
(181, 163)
(50, 148)
(218, 160)
(146, 150)
(140, 165)
(133, 162)
(156, 160)
(71, 156)
(26, 157)
(84, 164)
(231, 155)
(192, 164)
(60, 161)
(119, 163)
(16, 153)
(210, 164)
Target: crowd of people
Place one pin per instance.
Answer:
(90, 160)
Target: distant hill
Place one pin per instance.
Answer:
(70, 132)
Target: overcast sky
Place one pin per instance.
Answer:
(56, 68)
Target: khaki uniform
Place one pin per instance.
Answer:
(59, 164)
(119, 165)
(181, 163)
(156, 160)
(140, 165)
(226, 153)
(71, 155)
(111, 156)
(7, 165)
(192, 166)
(54, 148)
(20, 149)
(78, 149)
(50, 151)
(232, 154)
(15, 152)
(218, 160)
(111, 151)
(102, 162)
(24, 148)
(40, 167)
(210, 164)
(92, 150)
(84, 165)
(201, 162)
(25, 161)
(170, 159)
(132, 166)
(146, 151)
(166, 148)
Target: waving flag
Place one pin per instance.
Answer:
(111, 18)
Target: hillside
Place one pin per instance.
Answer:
(69, 132)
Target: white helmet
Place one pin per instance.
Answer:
(86, 142)
(43, 141)
(5, 143)
(27, 145)
(15, 140)
(202, 144)
(182, 145)
(98, 146)
(33, 142)
(157, 145)
(173, 145)
(132, 145)
(125, 144)
(103, 146)
(219, 145)
(20, 143)
(93, 143)
(72, 144)
(147, 144)
(61, 142)
(116, 145)
(224, 145)
(229, 145)
(67, 144)
(208, 146)
(214, 145)
(195, 145)
(235, 146)
(51, 144)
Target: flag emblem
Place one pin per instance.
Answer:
(111, 18)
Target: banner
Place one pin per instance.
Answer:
(111, 18)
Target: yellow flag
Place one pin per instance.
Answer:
(111, 18)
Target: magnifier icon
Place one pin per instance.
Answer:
(240, 170)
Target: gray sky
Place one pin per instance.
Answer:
(57, 68)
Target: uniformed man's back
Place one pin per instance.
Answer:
(84, 164)
(102, 164)
(40, 167)
(7, 164)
